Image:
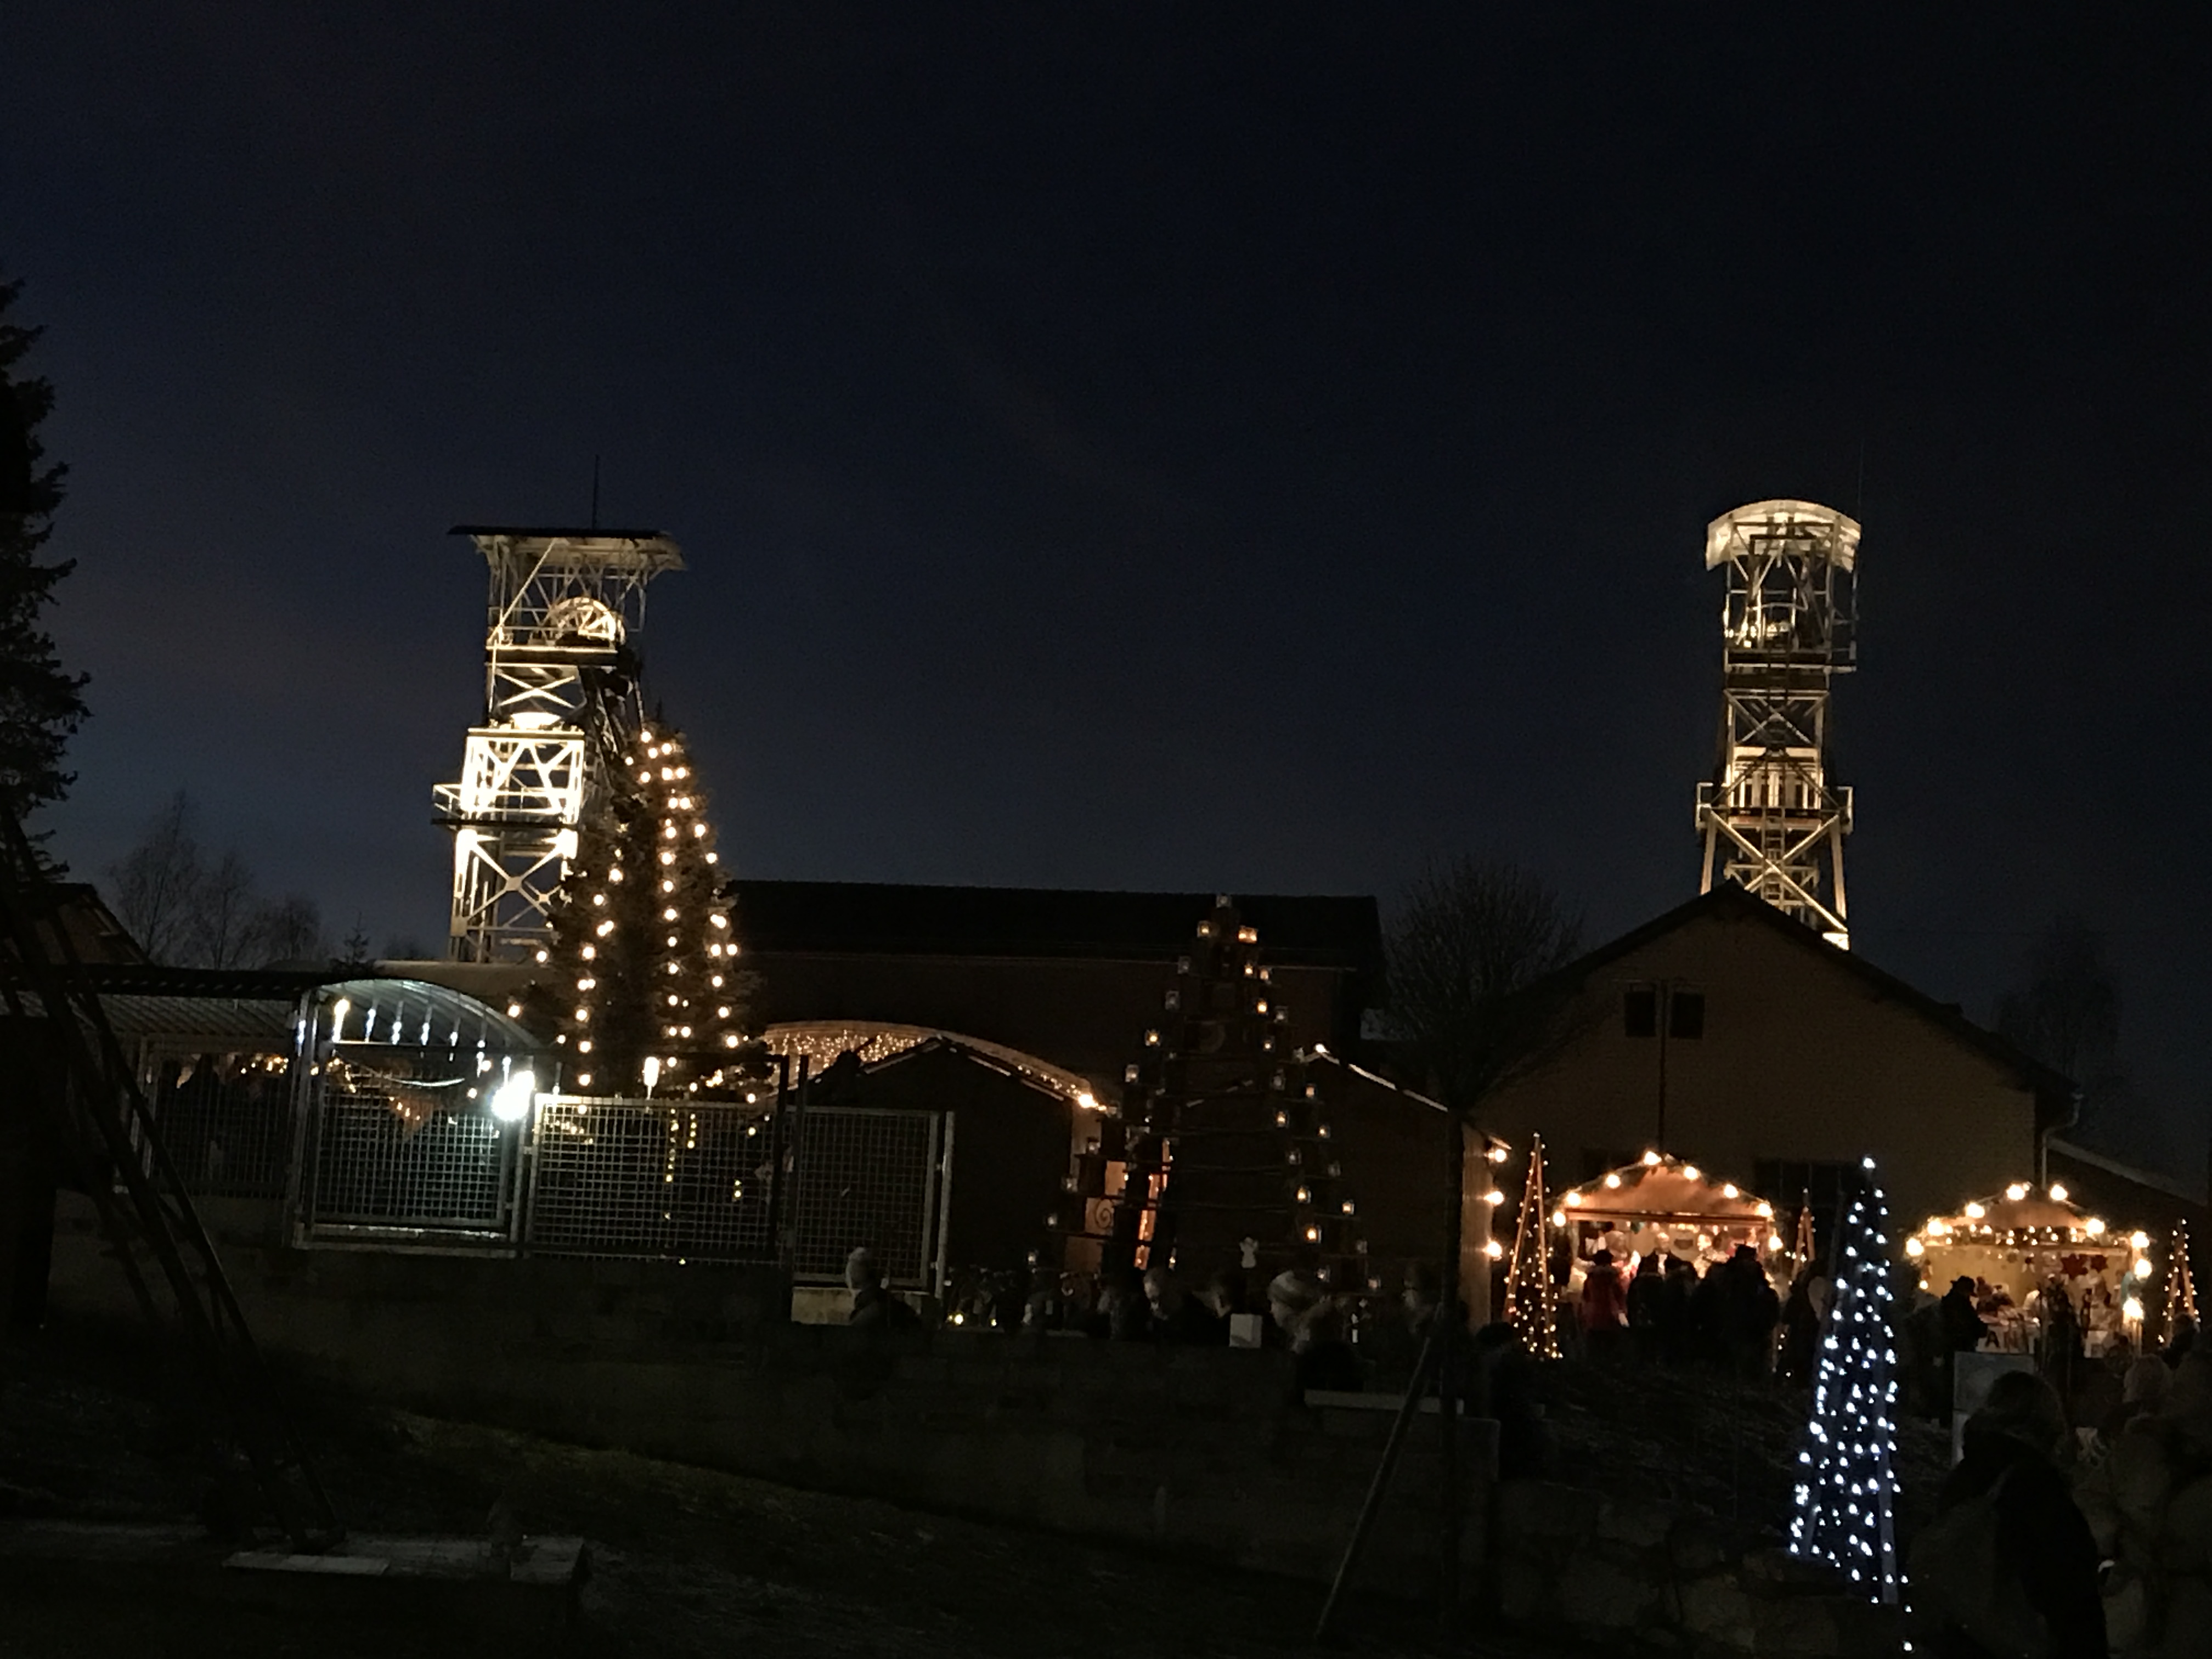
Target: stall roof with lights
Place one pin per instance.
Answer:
(1660, 1189)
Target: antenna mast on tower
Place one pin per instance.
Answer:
(560, 687)
(1772, 821)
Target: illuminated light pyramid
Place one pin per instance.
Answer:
(1846, 1494)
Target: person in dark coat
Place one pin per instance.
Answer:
(1747, 1310)
(1647, 1308)
(1963, 1326)
(1178, 1318)
(1506, 1391)
(2046, 1554)
(1678, 1313)
(875, 1307)
(1801, 1317)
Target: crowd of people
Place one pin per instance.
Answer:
(1667, 1313)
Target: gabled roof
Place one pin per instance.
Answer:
(992, 1057)
(878, 1043)
(1318, 1055)
(897, 919)
(1731, 902)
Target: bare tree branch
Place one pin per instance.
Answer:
(1468, 936)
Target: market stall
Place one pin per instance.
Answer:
(1666, 1207)
(2026, 1247)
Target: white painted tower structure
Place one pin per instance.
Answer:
(560, 688)
(1772, 820)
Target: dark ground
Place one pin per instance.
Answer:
(1689, 1437)
(688, 1562)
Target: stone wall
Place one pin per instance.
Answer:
(1203, 1451)
(1661, 1578)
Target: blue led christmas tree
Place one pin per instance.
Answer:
(1846, 1484)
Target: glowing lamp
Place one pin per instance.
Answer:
(1690, 1172)
(1650, 1157)
(1493, 1249)
(511, 1104)
(2057, 1193)
(1613, 1180)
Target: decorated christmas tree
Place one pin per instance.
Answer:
(1531, 1301)
(646, 996)
(1846, 1484)
(1229, 1155)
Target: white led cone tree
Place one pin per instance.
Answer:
(1847, 1492)
(646, 996)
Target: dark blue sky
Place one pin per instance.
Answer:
(1185, 447)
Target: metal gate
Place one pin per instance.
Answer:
(648, 1178)
(871, 1177)
(408, 1150)
(394, 1157)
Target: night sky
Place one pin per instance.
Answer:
(1188, 446)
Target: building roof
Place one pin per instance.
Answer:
(72, 914)
(896, 919)
(2054, 1092)
(256, 1007)
(878, 1042)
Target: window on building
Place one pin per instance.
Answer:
(1685, 1014)
(1639, 1011)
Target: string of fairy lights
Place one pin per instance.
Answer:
(1531, 1299)
(1846, 1491)
(648, 938)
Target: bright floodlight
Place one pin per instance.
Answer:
(512, 1102)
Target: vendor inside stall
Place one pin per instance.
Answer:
(2044, 1271)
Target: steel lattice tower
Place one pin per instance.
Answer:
(560, 683)
(1772, 820)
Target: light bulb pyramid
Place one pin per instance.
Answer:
(1846, 1490)
(2181, 1283)
(1531, 1303)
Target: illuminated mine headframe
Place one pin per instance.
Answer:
(1772, 821)
(560, 683)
